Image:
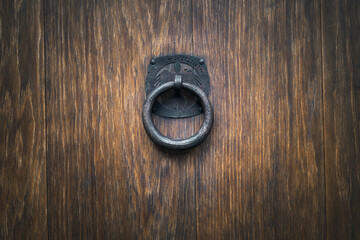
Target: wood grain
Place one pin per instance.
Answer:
(106, 178)
(341, 66)
(282, 160)
(262, 174)
(22, 121)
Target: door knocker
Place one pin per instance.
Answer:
(177, 86)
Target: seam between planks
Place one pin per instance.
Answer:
(45, 112)
(323, 113)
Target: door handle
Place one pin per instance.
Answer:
(174, 73)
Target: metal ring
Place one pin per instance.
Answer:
(178, 144)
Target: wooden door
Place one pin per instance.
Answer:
(282, 160)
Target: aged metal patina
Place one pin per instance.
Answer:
(177, 86)
(177, 103)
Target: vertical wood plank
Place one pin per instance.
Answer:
(341, 67)
(106, 178)
(22, 121)
(262, 173)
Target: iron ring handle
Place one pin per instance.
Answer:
(178, 144)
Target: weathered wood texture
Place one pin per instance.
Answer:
(106, 179)
(261, 176)
(341, 67)
(282, 160)
(22, 121)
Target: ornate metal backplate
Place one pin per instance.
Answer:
(177, 103)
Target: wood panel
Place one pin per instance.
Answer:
(106, 179)
(262, 174)
(281, 162)
(22, 121)
(341, 66)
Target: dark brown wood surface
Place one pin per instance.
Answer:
(263, 173)
(341, 67)
(281, 162)
(106, 179)
(22, 121)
